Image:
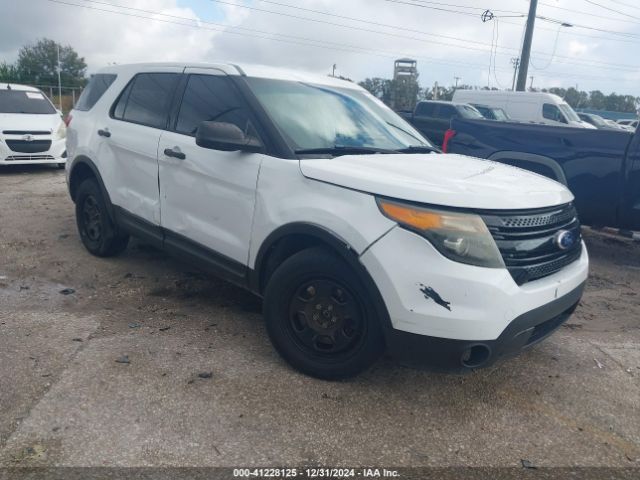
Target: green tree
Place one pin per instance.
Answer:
(8, 73)
(378, 87)
(38, 64)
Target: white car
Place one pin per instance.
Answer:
(31, 129)
(311, 193)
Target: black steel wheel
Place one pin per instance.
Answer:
(319, 316)
(98, 233)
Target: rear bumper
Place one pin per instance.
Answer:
(461, 355)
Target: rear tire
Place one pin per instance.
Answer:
(97, 231)
(320, 318)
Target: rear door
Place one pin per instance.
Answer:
(424, 119)
(130, 136)
(442, 121)
(208, 196)
(631, 198)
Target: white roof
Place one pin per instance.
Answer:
(249, 70)
(15, 86)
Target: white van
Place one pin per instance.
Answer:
(533, 107)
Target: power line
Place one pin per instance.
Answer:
(612, 9)
(595, 15)
(222, 28)
(572, 60)
(625, 4)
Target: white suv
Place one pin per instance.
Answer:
(310, 192)
(31, 129)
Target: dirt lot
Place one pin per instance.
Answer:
(65, 400)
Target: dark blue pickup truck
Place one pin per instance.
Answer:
(600, 167)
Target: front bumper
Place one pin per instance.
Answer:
(55, 154)
(440, 308)
(459, 355)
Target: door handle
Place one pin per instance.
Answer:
(172, 153)
(104, 133)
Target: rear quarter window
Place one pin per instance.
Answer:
(97, 86)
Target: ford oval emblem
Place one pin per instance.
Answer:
(27, 138)
(565, 239)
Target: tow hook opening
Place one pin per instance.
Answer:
(475, 356)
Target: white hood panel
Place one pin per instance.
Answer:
(448, 180)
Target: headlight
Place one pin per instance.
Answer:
(461, 237)
(62, 130)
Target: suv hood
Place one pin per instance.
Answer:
(29, 122)
(446, 179)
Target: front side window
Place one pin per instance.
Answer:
(146, 99)
(98, 84)
(211, 98)
(313, 116)
(22, 101)
(552, 112)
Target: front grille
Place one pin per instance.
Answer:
(24, 146)
(28, 158)
(529, 241)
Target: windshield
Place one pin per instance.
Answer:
(568, 112)
(319, 116)
(500, 114)
(21, 101)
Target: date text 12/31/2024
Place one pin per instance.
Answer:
(315, 473)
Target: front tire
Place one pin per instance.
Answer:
(319, 316)
(98, 233)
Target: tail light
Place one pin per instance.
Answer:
(448, 136)
(67, 119)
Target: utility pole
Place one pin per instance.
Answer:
(526, 47)
(516, 63)
(531, 85)
(334, 70)
(456, 79)
(59, 82)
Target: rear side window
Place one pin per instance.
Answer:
(146, 99)
(426, 109)
(98, 84)
(211, 98)
(470, 112)
(446, 112)
(22, 101)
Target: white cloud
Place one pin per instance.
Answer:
(359, 49)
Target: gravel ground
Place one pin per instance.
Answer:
(112, 373)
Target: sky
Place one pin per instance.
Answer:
(593, 50)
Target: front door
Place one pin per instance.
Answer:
(207, 196)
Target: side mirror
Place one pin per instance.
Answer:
(226, 137)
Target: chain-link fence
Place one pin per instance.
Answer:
(64, 102)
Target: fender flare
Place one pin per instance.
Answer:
(532, 158)
(337, 244)
(86, 161)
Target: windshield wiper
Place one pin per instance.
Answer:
(404, 131)
(419, 149)
(337, 150)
